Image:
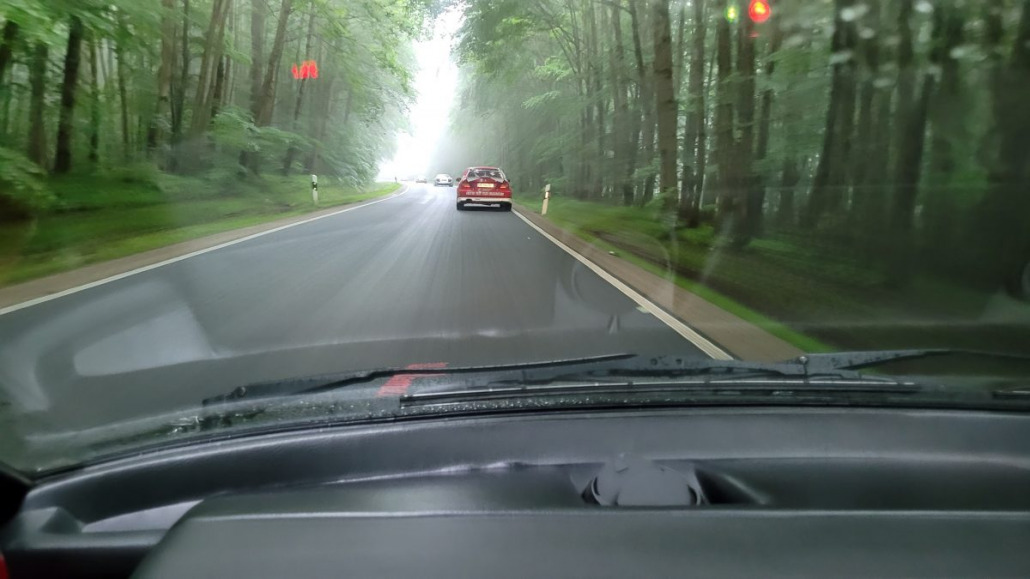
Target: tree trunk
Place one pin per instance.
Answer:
(910, 162)
(9, 34)
(179, 106)
(257, 51)
(786, 212)
(724, 141)
(94, 104)
(211, 58)
(693, 128)
(873, 113)
(232, 72)
(291, 152)
(1002, 234)
(947, 128)
(646, 103)
(158, 122)
(623, 131)
(765, 113)
(72, 60)
(900, 258)
(218, 94)
(830, 176)
(266, 103)
(596, 71)
(751, 193)
(757, 205)
(906, 79)
(123, 99)
(617, 83)
(680, 50)
(665, 102)
(701, 155)
(37, 104)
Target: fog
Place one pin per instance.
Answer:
(429, 118)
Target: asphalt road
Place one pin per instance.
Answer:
(406, 280)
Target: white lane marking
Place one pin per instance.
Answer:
(77, 289)
(679, 327)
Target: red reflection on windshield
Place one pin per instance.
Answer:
(307, 69)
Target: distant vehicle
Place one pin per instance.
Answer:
(420, 180)
(484, 186)
(443, 180)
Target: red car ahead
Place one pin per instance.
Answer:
(484, 186)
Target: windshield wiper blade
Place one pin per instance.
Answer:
(682, 367)
(780, 387)
(320, 384)
(618, 369)
(843, 361)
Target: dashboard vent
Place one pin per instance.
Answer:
(637, 482)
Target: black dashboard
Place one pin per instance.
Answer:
(769, 492)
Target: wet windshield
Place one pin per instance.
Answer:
(211, 202)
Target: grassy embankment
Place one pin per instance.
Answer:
(100, 218)
(807, 294)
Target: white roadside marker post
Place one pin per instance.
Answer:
(547, 197)
(314, 189)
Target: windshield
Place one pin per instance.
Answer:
(198, 197)
(485, 173)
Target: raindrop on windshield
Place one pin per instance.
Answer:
(852, 13)
(841, 57)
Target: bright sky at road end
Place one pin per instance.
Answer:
(436, 83)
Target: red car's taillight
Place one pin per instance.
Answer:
(464, 187)
(504, 187)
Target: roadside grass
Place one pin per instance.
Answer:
(814, 296)
(100, 218)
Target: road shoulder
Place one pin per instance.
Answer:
(740, 338)
(19, 294)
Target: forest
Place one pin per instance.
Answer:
(143, 115)
(822, 162)
(892, 133)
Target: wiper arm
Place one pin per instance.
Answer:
(320, 384)
(682, 367)
(621, 368)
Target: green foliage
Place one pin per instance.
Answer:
(22, 187)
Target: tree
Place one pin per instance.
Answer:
(665, 102)
(872, 131)
(159, 120)
(210, 60)
(1003, 238)
(724, 142)
(647, 102)
(830, 177)
(37, 104)
(908, 172)
(948, 132)
(63, 156)
(618, 83)
(693, 130)
(7, 38)
(291, 152)
(266, 100)
(750, 201)
(94, 103)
